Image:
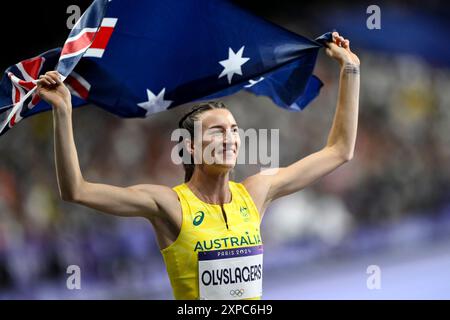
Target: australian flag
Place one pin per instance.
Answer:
(137, 58)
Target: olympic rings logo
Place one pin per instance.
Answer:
(237, 293)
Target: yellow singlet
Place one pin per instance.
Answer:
(204, 229)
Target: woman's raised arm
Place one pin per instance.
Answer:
(138, 200)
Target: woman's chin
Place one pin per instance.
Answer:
(229, 163)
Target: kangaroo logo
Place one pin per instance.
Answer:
(199, 216)
(244, 213)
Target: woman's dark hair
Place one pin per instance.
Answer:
(187, 122)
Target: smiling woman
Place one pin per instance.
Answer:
(188, 122)
(208, 228)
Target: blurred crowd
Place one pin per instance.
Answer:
(400, 169)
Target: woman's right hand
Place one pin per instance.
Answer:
(52, 90)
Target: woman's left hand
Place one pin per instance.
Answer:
(339, 49)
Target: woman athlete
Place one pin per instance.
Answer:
(208, 227)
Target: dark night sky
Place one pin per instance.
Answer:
(32, 27)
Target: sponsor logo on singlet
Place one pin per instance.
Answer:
(198, 219)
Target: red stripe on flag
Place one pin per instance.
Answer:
(12, 122)
(32, 66)
(34, 101)
(77, 45)
(27, 84)
(102, 38)
(78, 87)
(17, 95)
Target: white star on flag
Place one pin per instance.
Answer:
(155, 103)
(233, 64)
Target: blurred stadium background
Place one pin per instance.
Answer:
(389, 206)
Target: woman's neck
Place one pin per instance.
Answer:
(210, 188)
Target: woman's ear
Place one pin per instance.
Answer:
(195, 151)
(189, 146)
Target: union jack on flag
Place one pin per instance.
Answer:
(137, 58)
(88, 37)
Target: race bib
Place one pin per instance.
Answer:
(231, 274)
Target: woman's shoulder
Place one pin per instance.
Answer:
(166, 197)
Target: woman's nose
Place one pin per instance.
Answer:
(228, 137)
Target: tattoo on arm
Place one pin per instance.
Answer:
(351, 69)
